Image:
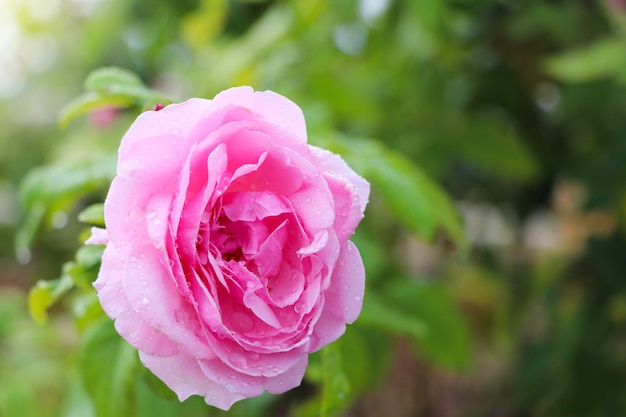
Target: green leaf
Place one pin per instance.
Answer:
(335, 387)
(63, 183)
(446, 340)
(108, 365)
(45, 294)
(601, 59)
(93, 215)
(493, 146)
(384, 315)
(112, 79)
(87, 310)
(111, 87)
(89, 256)
(88, 102)
(368, 352)
(412, 197)
(28, 230)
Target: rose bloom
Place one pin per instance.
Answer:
(228, 257)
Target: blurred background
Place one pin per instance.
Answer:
(516, 109)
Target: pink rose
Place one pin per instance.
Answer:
(227, 258)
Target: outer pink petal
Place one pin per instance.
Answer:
(335, 166)
(128, 324)
(150, 289)
(175, 121)
(98, 237)
(288, 379)
(277, 109)
(184, 376)
(350, 192)
(281, 380)
(343, 299)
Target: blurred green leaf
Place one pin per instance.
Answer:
(87, 310)
(88, 102)
(413, 198)
(603, 58)
(112, 80)
(65, 182)
(493, 146)
(202, 25)
(28, 230)
(335, 386)
(108, 365)
(446, 339)
(428, 12)
(366, 353)
(385, 315)
(93, 215)
(89, 256)
(45, 294)
(111, 87)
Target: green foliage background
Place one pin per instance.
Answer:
(492, 131)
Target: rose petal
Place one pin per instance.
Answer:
(98, 237)
(151, 291)
(343, 299)
(184, 376)
(275, 108)
(127, 323)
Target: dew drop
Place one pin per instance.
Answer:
(230, 387)
(152, 215)
(238, 360)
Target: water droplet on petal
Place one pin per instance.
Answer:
(237, 360)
